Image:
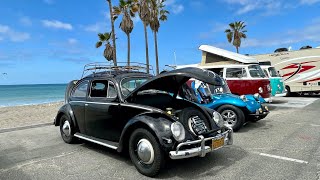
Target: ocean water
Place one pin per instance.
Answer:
(15, 95)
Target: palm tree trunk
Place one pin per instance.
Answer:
(113, 35)
(128, 61)
(147, 50)
(237, 49)
(156, 48)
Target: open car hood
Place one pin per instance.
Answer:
(172, 81)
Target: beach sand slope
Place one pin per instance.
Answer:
(19, 116)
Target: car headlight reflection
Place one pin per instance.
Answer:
(178, 131)
(218, 119)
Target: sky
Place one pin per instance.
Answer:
(49, 41)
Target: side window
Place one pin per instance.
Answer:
(218, 71)
(265, 72)
(99, 88)
(81, 90)
(236, 72)
(112, 93)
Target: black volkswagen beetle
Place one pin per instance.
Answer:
(127, 110)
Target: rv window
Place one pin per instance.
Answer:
(236, 73)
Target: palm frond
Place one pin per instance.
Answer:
(98, 44)
(229, 36)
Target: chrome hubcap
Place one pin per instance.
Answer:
(66, 128)
(145, 151)
(229, 117)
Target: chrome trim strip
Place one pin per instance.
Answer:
(122, 104)
(97, 142)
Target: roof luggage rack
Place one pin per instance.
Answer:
(97, 67)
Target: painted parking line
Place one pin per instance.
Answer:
(282, 158)
(292, 102)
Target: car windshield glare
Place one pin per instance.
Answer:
(273, 72)
(129, 84)
(256, 71)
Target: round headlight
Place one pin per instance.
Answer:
(178, 132)
(218, 119)
(268, 87)
(256, 96)
(243, 98)
(260, 90)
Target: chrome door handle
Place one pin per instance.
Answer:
(86, 104)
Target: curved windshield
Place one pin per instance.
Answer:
(129, 84)
(256, 71)
(273, 72)
(224, 88)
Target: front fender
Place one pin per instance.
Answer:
(158, 124)
(67, 110)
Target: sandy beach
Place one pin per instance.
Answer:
(18, 116)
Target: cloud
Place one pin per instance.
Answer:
(309, 33)
(26, 21)
(56, 24)
(174, 7)
(98, 27)
(72, 41)
(8, 33)
(217, 27)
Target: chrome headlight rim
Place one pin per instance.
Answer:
(178, 131)
(244, 98)
(256, 96)
(218, 119)
(260, 90)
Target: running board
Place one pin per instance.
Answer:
(106, 143)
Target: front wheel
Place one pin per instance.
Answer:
(145, 152)
(67, 130)
(233, 117)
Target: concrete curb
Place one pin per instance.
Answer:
(25, 127)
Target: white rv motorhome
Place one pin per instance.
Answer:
(299, 69)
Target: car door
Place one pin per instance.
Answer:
(77, 102)
(102, 111)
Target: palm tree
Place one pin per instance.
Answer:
(113, 34)
(236, 33)
(127, 9)
(144, 14)
(158, 13)
(108, 52)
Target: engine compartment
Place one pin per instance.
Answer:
(193, 118)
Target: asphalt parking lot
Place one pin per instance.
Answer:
(285, 145)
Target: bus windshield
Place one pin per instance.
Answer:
(256, 71)
(273, 72)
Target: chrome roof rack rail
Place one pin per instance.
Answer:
(107, 67)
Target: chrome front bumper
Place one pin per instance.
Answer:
(203, 149)
(268, 100)
(281, 94)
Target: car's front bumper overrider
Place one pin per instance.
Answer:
(203, 149)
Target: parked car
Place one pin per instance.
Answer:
(276, 81)
(127, 110)
(235, 110)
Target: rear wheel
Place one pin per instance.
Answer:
(67, 130)
(233, 117)
(288, 94)
(145, 152)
